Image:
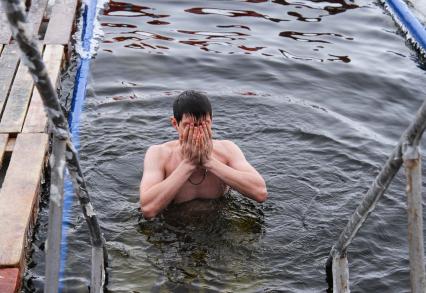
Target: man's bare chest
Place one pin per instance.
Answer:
(211, 187)
(201, 184)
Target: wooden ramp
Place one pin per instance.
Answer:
(24, 142)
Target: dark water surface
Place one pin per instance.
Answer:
(316, 94)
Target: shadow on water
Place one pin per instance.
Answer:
(191, 243)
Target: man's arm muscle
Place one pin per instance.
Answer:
(239, 174)
(156, 191)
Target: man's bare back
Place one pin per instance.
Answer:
(195, 166)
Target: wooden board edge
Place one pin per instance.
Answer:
(20, 260)
(4, 138)
(52, 38)
(10, 280)
(36, 118)
(15, 124)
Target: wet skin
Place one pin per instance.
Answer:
(195, 167)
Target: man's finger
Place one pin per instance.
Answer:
(209, 130)
(190, 133)
(180, 138)
(202, 140)
(196, 144)
(185, 133)
(195, 135)
(205, 131)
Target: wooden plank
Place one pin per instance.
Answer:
(3, 143)
(35, 15)
(36, 119)
(17, 102)
(9, 280)
(34, 18)
(19, 195)
(5, 33)
(8, 63)
(61, 22)
(10, 144)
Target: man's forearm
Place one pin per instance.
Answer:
(159, 196)
(249, 184)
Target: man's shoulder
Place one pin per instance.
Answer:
(225, 147)
(225, 144)
(162, 150)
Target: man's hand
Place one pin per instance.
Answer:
(190, 144)
(206, 144)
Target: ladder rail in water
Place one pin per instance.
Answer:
(405, 153)
(409, 139)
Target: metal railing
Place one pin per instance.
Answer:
(405, 153)
(63, 154)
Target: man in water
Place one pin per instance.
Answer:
(196, 166)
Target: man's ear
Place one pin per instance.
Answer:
(173, 121)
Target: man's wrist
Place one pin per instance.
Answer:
(209, 164)
(188, 164)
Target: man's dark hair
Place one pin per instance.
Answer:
(193, 103)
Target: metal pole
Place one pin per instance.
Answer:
(53, 245)
(32, 58)
(99, 253)
(340, 274)
(413, 171)
(411, 136)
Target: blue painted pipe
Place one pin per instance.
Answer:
(77, 103)
(399, 9)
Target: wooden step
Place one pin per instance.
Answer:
(35, 15)
(36, 119)
(5, 33)
(61, 22)
(15, 110)
(9, 60)
(34, 19)
(9, 280)
(19, 196)
(3, 143)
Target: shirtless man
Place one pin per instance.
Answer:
(195, 166)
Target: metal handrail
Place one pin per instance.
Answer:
(407, 153)
(406, 149)
(64, 151)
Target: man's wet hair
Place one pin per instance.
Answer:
(192, 103)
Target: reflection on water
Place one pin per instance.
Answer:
(331, 6)
(344, 59)
(124, 9)
(231, 13)
(220, 40)
(296, 36)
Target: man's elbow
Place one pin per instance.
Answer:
(148, 212)
(261, 194)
